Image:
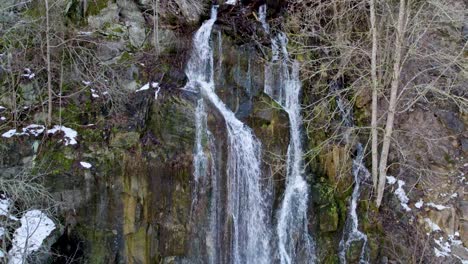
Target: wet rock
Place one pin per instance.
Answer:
(192, 10)
(353, 253)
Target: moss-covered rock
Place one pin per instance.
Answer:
(125, 139)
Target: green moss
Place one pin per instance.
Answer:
(97, 248)
(323, 193)
(328, 217)
(332, 259)
(125, 140)
(35, 10)
(58, 157)
(95, 7)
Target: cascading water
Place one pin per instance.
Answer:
(200, 159)
(294, 242)
(248, 222)
(262, 13)
(351, 233)
(214, 236)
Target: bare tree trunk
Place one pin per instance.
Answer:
(374, 132)
(49, 74)
(392, 103)
(156, 25)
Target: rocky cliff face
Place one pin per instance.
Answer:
(135, 204)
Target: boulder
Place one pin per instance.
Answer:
(107, 16)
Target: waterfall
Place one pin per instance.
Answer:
(200, 158)
(294, 242)
(262, 14)
(214, 236)
(351, 233)
(248, 221)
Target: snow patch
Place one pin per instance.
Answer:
(2, 107)
(28, 73)
(34, 130)
(85, 165)
(231, 2)
(86, 83)
(2, 118)
(444, 248)
(144, 87)
(401, 195)
(9, 133)
(5, 204)
(156, 93)
(391, 180)
(419, 204)
(439, 207)
(149, 85)
(70, 134)
(35, 227)
(433, 226)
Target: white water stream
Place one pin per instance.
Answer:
(351, 233)
(247, 209)
(283, 85)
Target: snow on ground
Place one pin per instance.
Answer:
(444, 249)
(156, 93)
(85, 165)
(2, 108)
(36, 130)
(143, 88)
(400, 192)
(433, 226)
(231, 2)
(94, 93)
(5, 204)
(35, 227)
(147, 86)
(2, 118)
(439, 207)
(70, 134)
(28, 73)
(391, 180)
(10, 133)
(33, 129)
(419, 204)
